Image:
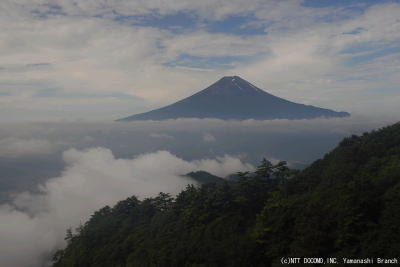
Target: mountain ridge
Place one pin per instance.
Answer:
(344, 205)
(232, 97)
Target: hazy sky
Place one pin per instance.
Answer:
(106, 59)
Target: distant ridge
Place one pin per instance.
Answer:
(232, 97)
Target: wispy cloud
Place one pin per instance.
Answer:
(326, 55)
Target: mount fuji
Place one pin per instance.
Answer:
(232, 97)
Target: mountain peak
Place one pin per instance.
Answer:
(232, 84)
(232, 97)
(229, 79)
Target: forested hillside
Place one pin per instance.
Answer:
(346, 204)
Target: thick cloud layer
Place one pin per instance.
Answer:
(132, 160)
(189, 138)
(31, 153)
(34, 225)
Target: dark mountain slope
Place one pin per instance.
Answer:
(234, 98)
(344, 205)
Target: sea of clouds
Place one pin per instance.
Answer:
(33, 225)
(81, 167)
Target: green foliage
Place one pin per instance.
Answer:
(342, 205)
(346, 204)
(204, 226)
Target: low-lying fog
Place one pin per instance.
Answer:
(55, 175)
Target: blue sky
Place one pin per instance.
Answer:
(105, 59)
(181, 22)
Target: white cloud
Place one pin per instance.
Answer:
(201, 43)
(300, 57)
(35, 224)
(222, 166)
(309, 65)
